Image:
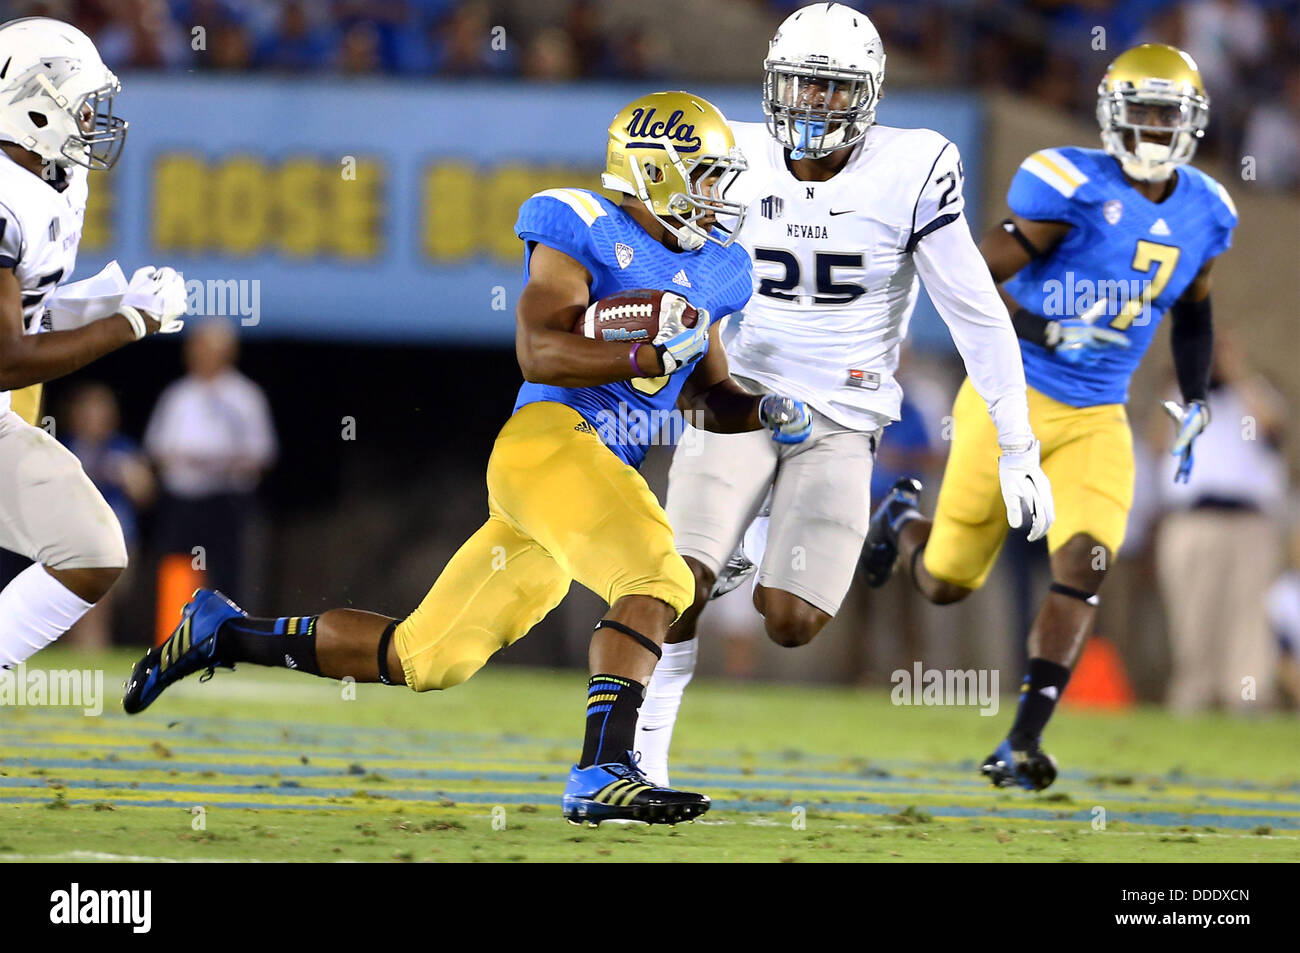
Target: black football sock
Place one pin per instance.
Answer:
(288, 642)
(612, 706)
(1039, 693)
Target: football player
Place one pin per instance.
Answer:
(565, 500)
(1101, 244)
(56, 124)
(842, 216)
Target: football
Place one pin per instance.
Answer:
(631, 316)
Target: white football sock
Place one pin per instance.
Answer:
(35, 609)
(663, 696)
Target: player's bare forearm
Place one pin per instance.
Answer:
(713, 398)
(564, 359)
(723, 407)
(27, 359)
(555, 297)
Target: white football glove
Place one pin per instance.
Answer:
(675, 343)
(1026, 491)
(158, 292)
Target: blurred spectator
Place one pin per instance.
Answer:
(1284, 618)
(118, 468)
(141, 34)
(304, 38)
(1217, 549)
(551, 57)
(360, 50)
(212, 438)
(462, 45)
(1273, 137)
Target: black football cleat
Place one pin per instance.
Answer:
(880, 550)
(1032, 769)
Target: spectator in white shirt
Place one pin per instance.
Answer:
(1218, 548)
(212, 439)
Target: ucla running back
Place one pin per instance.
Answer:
(565, 500)
(843, 216)
(1101, 244)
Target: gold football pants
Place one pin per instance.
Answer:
(562, 507)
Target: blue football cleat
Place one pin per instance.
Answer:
(1033, 769)
(190, 648)
(619, 791)
(880, 549)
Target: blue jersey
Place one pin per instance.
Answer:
(1126, 259)
(621, 256)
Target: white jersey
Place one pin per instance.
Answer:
(40, 229)
(836, 277)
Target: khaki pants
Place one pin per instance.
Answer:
(1215, 567)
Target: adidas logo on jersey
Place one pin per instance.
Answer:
(681, 279)
(1160, 228)
(623, 253)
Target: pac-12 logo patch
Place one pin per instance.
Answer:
(1113, 211)
(623, 253)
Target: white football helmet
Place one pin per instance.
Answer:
(56, 94)
(821, 54)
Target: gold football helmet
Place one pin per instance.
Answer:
(676, 153)
(1152, 109)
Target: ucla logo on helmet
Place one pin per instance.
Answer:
(643, 125)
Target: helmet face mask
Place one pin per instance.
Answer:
(813, 111)
(1152, 110)
(676, 154)
(101, 135)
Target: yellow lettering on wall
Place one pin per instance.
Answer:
(241, 205)
(300, 232)
(179, 205)
(449, 227)
(355, 228)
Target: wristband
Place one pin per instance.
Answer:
(631, 356)
(138, 327)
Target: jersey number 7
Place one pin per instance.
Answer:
(1148, 254)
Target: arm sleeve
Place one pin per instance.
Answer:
(963, 292)
(1191, 337)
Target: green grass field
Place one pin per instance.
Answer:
(268, 765)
